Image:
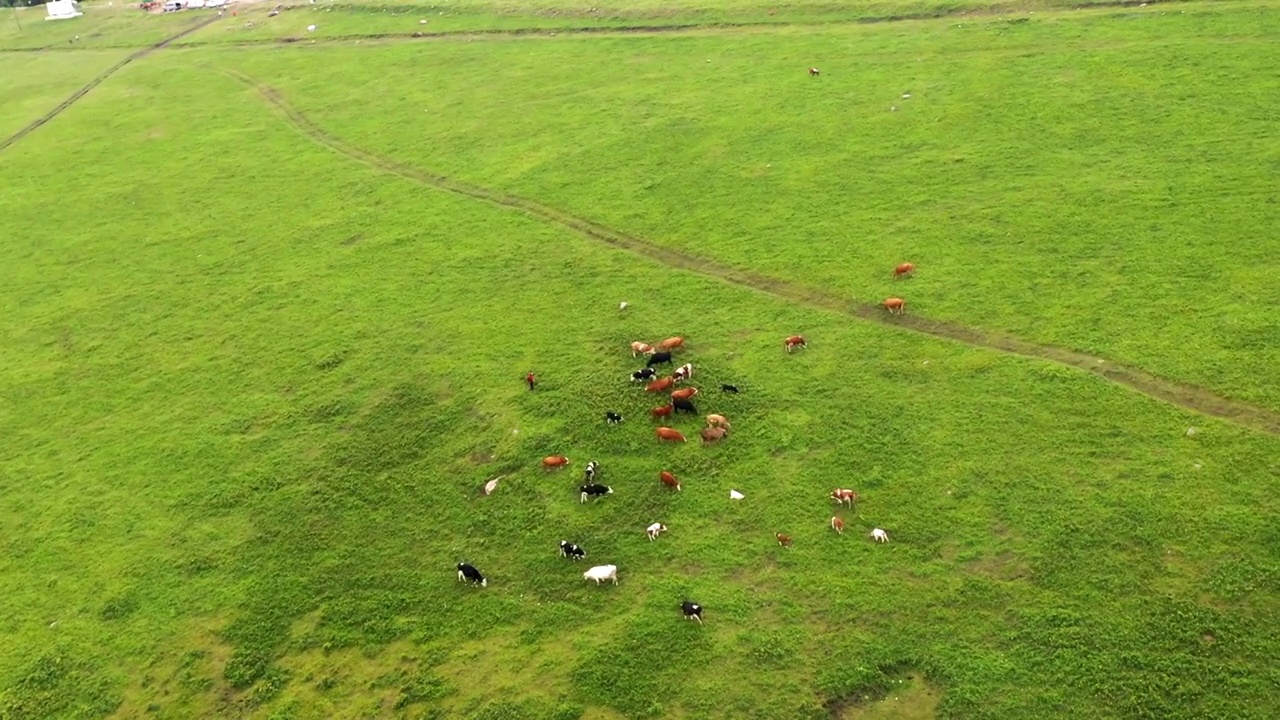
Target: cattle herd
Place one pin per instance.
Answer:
(717, 428)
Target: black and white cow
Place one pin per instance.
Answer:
(684, 406)
(730, 389)
(692, 611)
(612, 417)
(656, 358)
(595, 491)
(467, 573)
(571, 551)
(592, 468)
(643, 375)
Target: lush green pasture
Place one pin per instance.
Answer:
(120, 25)
(1104, 181)
(252, 387)
(35, 83)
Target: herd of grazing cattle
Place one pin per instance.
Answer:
(717, 429)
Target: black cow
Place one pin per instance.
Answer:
(591, 469)
(730, 389)
(468, 573)
(595, 491)
(571, 551)
(612, 418)
(662, 357)
(692, 611)
(685, 405)
(642, 375)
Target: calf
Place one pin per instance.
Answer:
(594, 490)
(551, 462)
(591, 469)
(783, 540)
(467, 573)
(571, 551)
(659, 357)
(639, 348)
(844, 496)
(671, 342)
(666, 433)
(684, 393)
(684, 372)
(642, 375)
(654, 530)
(793, 342)
(729, 389)
(661, 412)
(684, 406)
(879, 535)
(659, 385)
(612, 418)
(669, 480)
(904, 270)
(895, 306)
(838, 525)
(691, 610)
(600, 573)
(814, 72)
(713, 434)
(717, 420)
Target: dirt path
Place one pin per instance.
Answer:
(1185, 396)
(98, 80)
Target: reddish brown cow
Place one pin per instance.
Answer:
(793, 342)
(659, 385)
(712, 434)
(838, 525)
(783, 540)
(844, 496)
(666, 433)
(904, 270)
(895, 305)
(684, 393)
(669, 480)
(554, 461)
(671, 342)
(661, 411)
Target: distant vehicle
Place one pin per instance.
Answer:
(214, 3)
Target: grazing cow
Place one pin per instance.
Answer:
(661, 411)
(551, 462)
(639, 348)
(659, 385)
(904, 270)
(591, 469)
(659, 357)
(713, 434)
(783, 540)
(654, 530)
(684, 393)
(531, 380)
(684, 406)
(838, 525)
(879, 535)
(895, 306)
(594, 490)
(844, 496)
(729, 389)
(671, 342)
(666, 433)
(467, 573)
(641, 375)
(612, 417)
(571, 551)
(492, 485)
(793, 342)
(684, 372)
(814, 72)
(669, 480)
(717, 421)
(691, 610)
(600, 573)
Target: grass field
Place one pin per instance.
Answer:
(252, 386)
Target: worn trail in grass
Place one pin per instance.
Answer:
(1187, 396)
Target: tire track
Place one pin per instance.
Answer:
(1189, 397)
(97, 81)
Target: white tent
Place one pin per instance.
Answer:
(62, 10)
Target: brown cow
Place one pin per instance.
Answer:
(684, 393)
(904, 270)
(669, 480)
(713, 434)
(671, 342)
(720, 420)
(554, 461)
(659, 385)
(639, 348)
(783, 540)
(814, 72)
(666, 433)
(794, 341)
(838, 525)
(895, 305)
(661, 411)
(844, 495)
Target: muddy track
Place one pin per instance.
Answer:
(1185, 396)
(97, 81)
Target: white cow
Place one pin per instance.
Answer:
(879, 535)
(655, 530)
(600, 573)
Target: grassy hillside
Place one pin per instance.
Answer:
(253, 388)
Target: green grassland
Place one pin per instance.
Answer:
(252, 386)
(32, 84)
